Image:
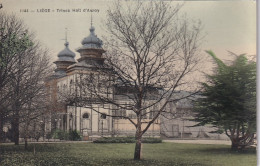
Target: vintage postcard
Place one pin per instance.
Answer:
(96, 82)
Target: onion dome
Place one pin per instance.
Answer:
(65, 59)
(90, 51)
(66, 54)
(92, 41)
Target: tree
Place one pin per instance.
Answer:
(228, 100)
(151, 52)
(34, 98)
(13, 39)
(23, 66)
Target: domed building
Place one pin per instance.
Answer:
(91, 121)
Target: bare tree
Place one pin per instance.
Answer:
(151, 56)
(24, 65)
(13, 40)
(35, 97)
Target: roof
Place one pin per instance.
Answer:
(91, 41)
(66, 54)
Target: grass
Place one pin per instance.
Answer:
(165, 154)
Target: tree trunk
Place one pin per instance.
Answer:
(138, 144)
(26, 143)
(15, 126)
(235, 143)
(1, 130)
(138, 148)
(234, 146)
(26, 137)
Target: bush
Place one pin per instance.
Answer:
(126, 140)
(74, 135)
(115, 140)
(64, 135)
(60, 134)
(151, 140)
(48, 135)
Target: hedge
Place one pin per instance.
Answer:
(126, 140)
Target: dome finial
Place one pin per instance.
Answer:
(92, 29)
(66, 35)
(66, 39)
(91, 21)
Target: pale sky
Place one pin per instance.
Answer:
(228, 25)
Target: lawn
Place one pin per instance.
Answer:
(166, 154)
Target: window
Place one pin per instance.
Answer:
(121, 112)
(85, 116)
(103, 116)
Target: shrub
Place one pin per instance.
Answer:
(126, 140)
(48, 135)
(151, 140)
(60, 134)
(74, 135)
(64, 135)
(115, 140)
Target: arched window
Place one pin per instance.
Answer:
(85, 116)
(103, 116)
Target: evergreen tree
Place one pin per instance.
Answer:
(228, 100)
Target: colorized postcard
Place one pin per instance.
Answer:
(103, 82)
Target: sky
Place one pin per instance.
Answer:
(227, 25)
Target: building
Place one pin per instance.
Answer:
(91, 121)
(94, 121)
(179, 124)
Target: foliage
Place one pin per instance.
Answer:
(60, 134)
(115, 140)
(74, 135)
(127, 140)
(24, 65)
(151, 140)
(14, 40)
(121, 154)
(64, 135)
(48, 135)
(228, 100)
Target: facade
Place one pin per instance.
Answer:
(91, 121)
